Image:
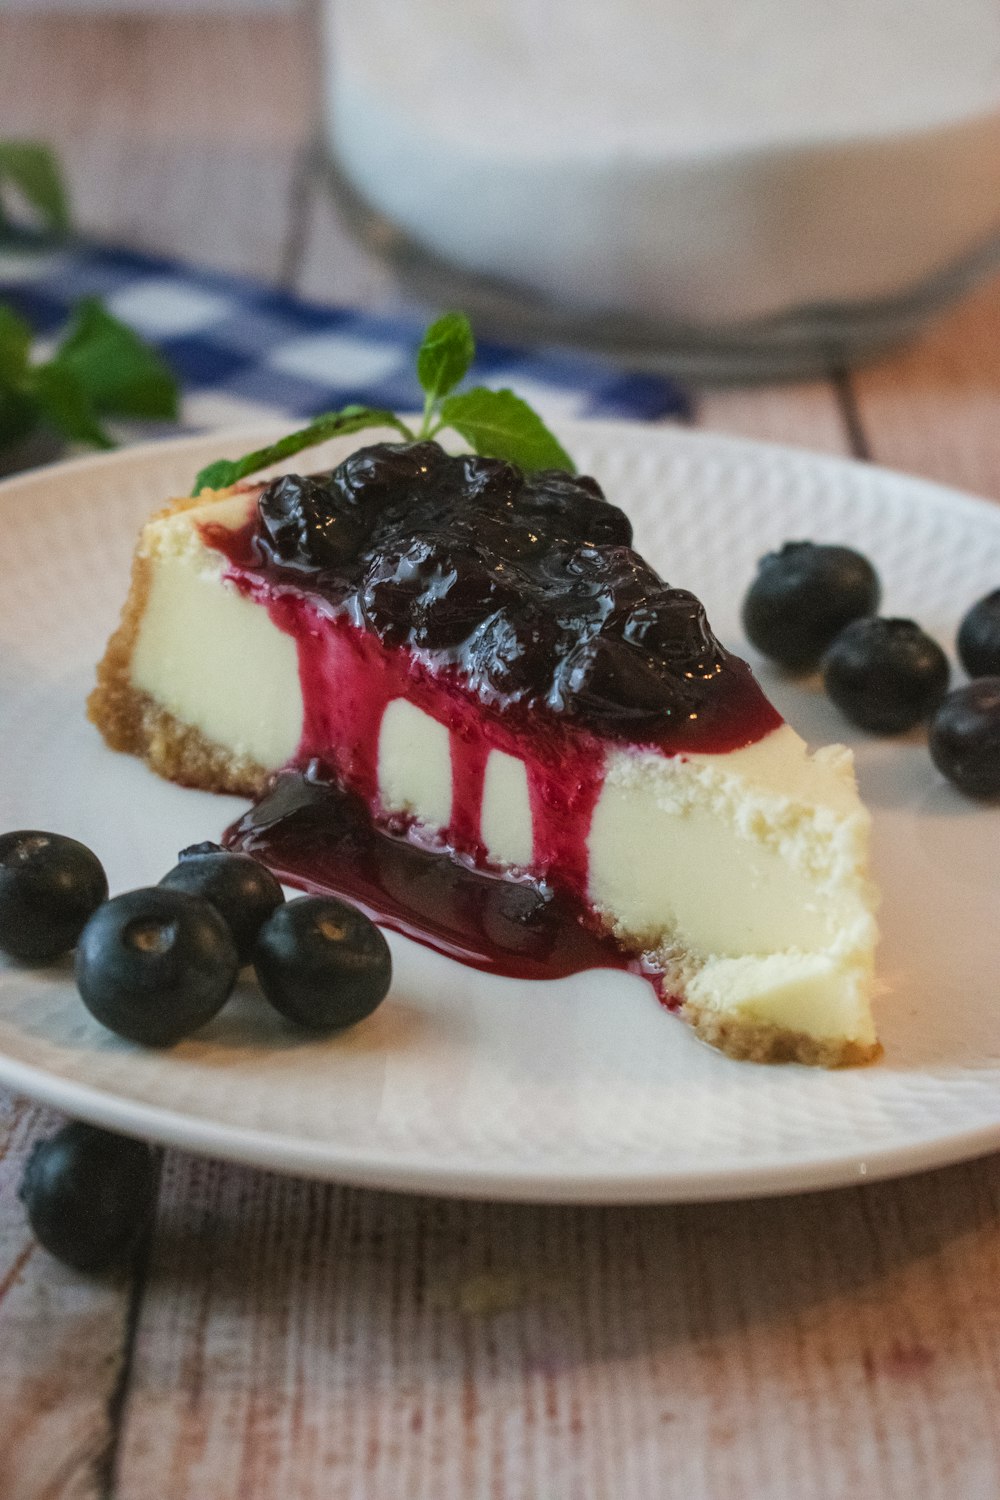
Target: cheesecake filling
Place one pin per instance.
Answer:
(736, 880)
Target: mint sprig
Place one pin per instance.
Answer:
(224, 472)
(101, 368)
(496, 424)
(444, 357)
(502, 425)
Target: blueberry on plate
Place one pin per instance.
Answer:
(979, 638)
(88, 1195)
(803, 596)
(322, 963)
(965, 738)
(241, 889)
(49, 886)
(885, 675)
(155, 964)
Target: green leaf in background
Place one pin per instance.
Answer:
(224, 472)
(32, 169)
(15, 346)
(66, 404)
(499, 424)
(120, 374)
(445, 355)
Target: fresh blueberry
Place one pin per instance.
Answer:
(885, 675)
(49, 886)
(322, 963)
(242, 890)
(965, 738)
(803, 596)
(155, 964)
(88, 1195)
(979, 638)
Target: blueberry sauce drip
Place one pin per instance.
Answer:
(522, 590)
(315, 835)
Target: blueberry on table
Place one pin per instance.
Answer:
(979, 638)
(88, 1195)
(155, 964)
(49, 886)
(803, 596)
(885, 675)
(965, 738)
(242, 890)
(322, 963)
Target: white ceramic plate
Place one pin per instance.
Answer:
(464, 1083)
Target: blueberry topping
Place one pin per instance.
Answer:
(155, 964)
(803, 596)
(88, 1195)
(322, 963)
(242, 890)
(979, 638)
(498, 577)
(503, 658)
(373, 477)
(885, 675)
(49, 886)
(302, 527)
(965, 738)
(610, 680)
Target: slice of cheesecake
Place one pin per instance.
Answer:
(486, 666)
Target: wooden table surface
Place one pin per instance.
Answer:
(276, 1338)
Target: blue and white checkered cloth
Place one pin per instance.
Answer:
(243, 351)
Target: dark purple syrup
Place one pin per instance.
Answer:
(316, 836)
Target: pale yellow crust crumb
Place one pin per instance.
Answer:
(763, 1042)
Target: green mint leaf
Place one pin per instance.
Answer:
(15, 346)
(499, 424)
(224, 472)
(445, 355)
(120, 374)
(33, 170)
(67, 405)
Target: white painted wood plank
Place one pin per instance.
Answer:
(320, 1344)
(806, 414)
(934, 409)
(62, 1338)
(177, 135)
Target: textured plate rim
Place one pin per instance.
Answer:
(423, 1173)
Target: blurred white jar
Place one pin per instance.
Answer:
(696, 175)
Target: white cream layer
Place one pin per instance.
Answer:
(745, 873)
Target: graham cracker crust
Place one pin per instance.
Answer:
(131, 721)
(765, 1043)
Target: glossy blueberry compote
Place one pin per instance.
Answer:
(523, 589)
(513, 610)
